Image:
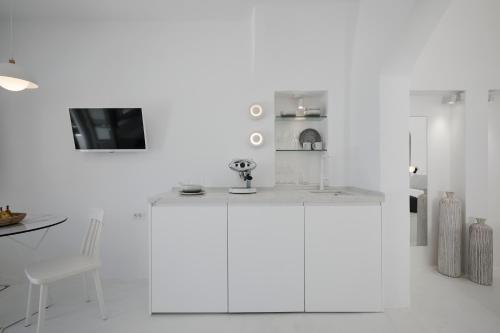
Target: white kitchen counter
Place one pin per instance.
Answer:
(271, 195)
(283, 249)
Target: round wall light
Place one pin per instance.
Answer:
(413, 169)
(256, 111)
(256, 139)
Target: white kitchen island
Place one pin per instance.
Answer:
(280, 250)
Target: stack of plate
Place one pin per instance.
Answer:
(191, 189)
(309, 135)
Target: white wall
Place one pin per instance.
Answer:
(375, 156)
(445, 134)
(188, 72)
(378, 27)
(494, 175)
(462, 51)
(464, 54)
(394, 150)
(404, 36)
(457, 149)
(194, 79)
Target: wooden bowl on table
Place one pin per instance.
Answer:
(15, 218)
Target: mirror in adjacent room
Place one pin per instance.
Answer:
(418, 180)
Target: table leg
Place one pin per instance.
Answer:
(6, 326)
(3, 287)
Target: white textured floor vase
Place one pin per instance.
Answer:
(481, 252)
(450, 236)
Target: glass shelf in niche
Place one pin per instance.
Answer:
(310, 150)
(300, 118)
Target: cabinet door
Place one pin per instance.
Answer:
(343, 258)
(266, 258)
(189, 259)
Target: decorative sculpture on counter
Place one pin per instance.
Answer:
(244, 167)
(450, 236)
(481, 252)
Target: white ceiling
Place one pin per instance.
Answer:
(135, 9)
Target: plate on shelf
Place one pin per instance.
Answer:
(309, 135)
(312, 112)
(288, 114)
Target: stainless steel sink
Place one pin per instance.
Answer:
(334, 192)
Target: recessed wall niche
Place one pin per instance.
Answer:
(301, 136)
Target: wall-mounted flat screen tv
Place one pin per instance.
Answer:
(108, 129)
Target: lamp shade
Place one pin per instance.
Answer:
(14, 78)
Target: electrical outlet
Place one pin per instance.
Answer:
(138, 216)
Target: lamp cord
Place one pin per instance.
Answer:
(11, 30)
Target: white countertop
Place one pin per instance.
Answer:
(271, 195)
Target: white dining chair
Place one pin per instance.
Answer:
(45, 272)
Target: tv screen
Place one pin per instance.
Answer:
(108, 129)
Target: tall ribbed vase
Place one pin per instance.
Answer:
(450, 236)
(481, 252)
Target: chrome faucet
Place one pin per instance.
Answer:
(322, 176)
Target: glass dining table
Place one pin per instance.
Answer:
(31, 223)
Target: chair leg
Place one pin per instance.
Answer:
(29, 306)
(87, 287)
(41, 307)
(100, 297)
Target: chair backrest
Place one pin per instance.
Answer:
(91, 242)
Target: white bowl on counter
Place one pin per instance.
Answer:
(191, 188)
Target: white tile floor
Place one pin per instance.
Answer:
(439, 304)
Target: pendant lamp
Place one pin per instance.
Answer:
(12, 76)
